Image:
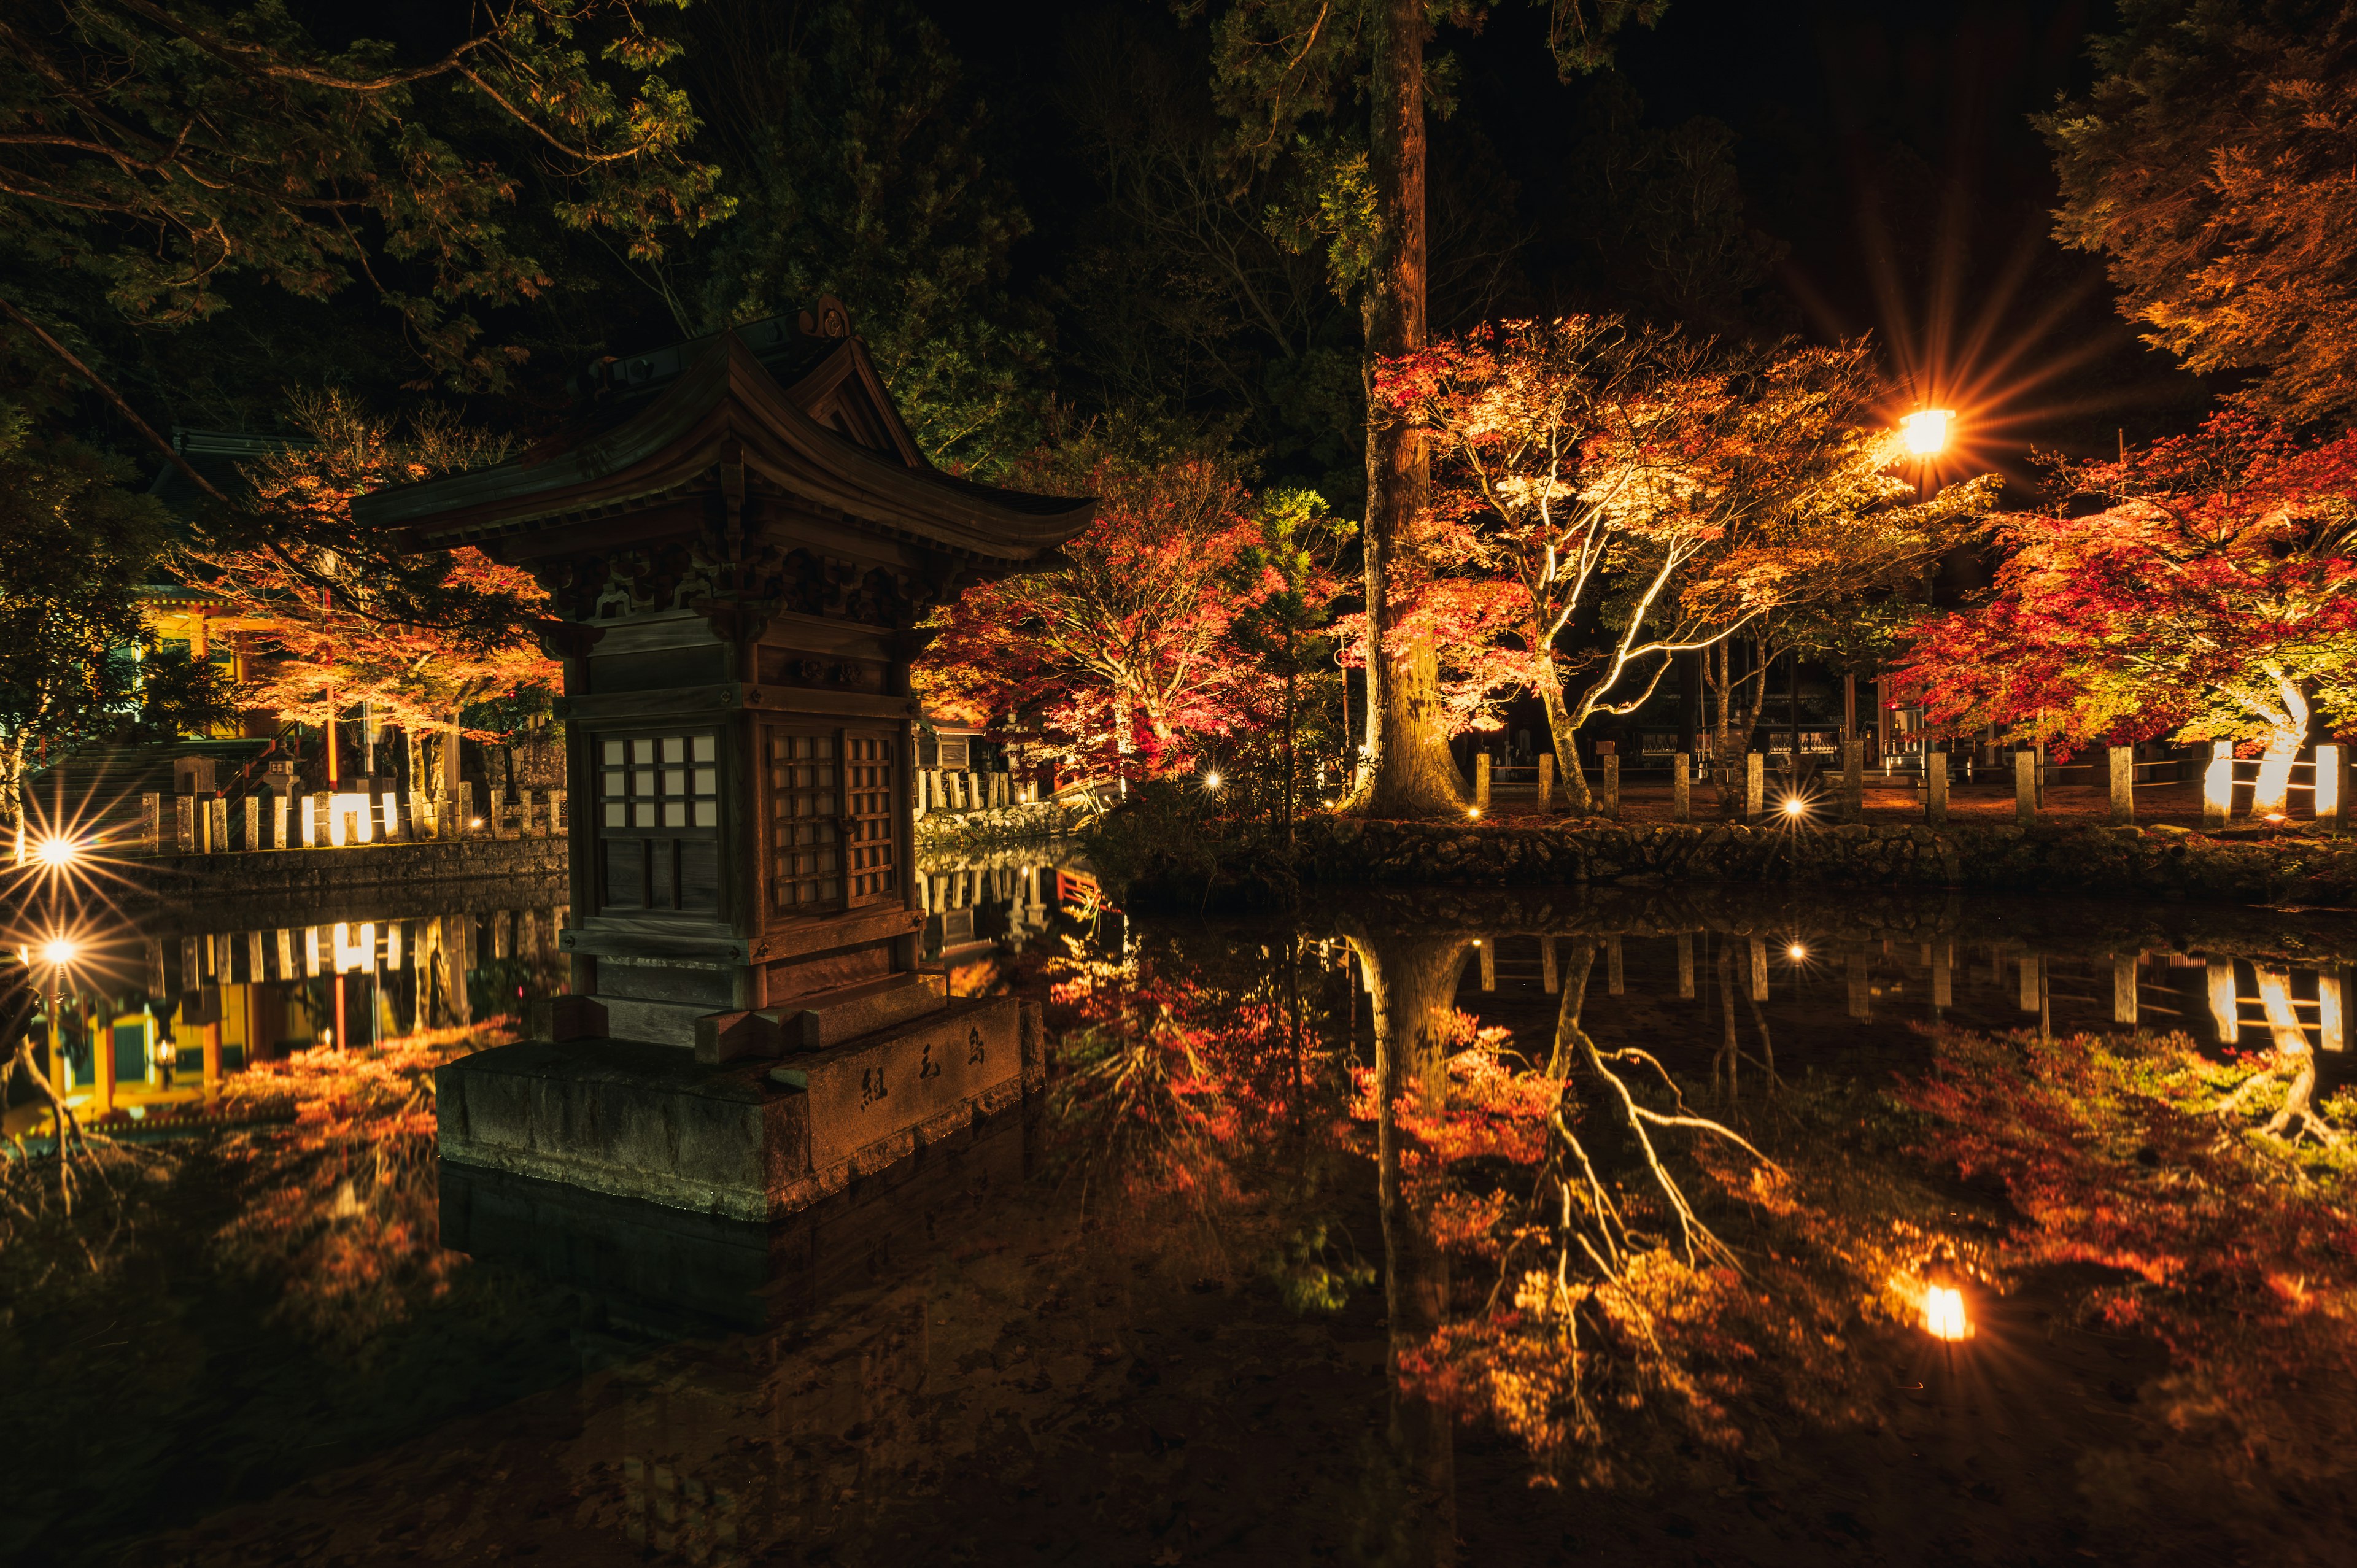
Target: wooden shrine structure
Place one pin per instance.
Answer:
(738, 541)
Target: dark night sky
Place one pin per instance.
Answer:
(1888, 146)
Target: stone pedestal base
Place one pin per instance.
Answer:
(667, 1272)
(755, 1139)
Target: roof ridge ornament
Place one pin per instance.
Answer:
(827, 317)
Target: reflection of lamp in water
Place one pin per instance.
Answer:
(1473, 811)
(1943, 1314)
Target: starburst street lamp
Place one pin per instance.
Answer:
(1925, 431)
(56, 854)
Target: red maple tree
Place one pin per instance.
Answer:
(2212, 594)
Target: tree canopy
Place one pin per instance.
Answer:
(2211, 167)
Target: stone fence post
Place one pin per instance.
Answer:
(1481, 781)
(1611, 784)
(1546, 783)
(1755, 786)
(1681, 787)
(1936, 786)
(2025, 786)
(2123, 759)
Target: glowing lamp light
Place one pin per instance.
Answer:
(1943, 1314)
(59, 952)
(1925, 431)
(1210, 780)
(2273, 817)
(473, 822)
(57, 853)
(1473, 811)
(1796, 952)
(1795, 807)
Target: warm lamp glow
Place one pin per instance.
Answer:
(1926, 431)
(57, 853)
(1794, 806)
(1796, 952)
(1473, 810)
(59, 952)
(1210, 780)
(1944, 1313)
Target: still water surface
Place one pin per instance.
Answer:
(1186, 1313)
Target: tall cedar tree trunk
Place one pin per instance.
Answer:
(1410, 772)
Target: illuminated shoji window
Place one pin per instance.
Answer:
(659, 822)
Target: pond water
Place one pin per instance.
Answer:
(1334, 1241)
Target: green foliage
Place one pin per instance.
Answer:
(862, 161)
(165, 149)
(78, 665)
(2211, 167)
(1313, 1275)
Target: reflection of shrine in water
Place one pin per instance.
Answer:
(984, 907)
(145, 1022)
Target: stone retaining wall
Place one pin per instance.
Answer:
(2257, 865)
(294, 873)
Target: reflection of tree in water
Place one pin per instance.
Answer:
(339, 1208)
(1557, 1179)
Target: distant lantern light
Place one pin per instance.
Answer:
(1926, 431)
(1795, 807)
(57, 852)
(1943, 1314)
(59, 950)
(1796, 952)
(1210, 780)
(1473, 811)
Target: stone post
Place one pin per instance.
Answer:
(150, 818)
(1546, 784)
(352, 827)
(1681, 787)
(2217, 785)
(1612, 795)
(1853, 795)
(217, 826)
(496, 819)
(1489, 951)
(466, 807)
(2124, 792)
(2224, 1009)
(315, 820)
(1758, 966)
(184, 826)
(2025, 786)
(253, 821)
(1936, 786)
(1755, 786)
(2124, 984)
(2333, 782)
(1481, 782)
(278, 821)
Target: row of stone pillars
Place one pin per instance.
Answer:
(2331, 786)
